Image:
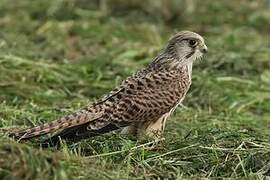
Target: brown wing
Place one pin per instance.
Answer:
(119, 89)
(140, 98)
(102, 124)
(148, 98)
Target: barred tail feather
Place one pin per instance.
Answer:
(77, 118)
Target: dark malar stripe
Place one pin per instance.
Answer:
(190, 54)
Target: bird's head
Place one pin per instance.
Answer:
(182, 49)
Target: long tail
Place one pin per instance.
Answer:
(71, 120)
(76, 133)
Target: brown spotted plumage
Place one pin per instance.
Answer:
(141, 104)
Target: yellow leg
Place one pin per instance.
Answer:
(154, 129)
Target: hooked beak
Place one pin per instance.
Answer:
(203, 49)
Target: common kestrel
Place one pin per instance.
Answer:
(141, 104)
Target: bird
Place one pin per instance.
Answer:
(140, 105)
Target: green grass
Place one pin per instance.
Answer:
(57, 56)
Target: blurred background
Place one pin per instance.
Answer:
(56, 56)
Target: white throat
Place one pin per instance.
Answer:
(189, 67)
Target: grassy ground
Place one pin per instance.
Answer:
(56, 56)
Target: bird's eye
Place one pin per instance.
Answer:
(192, 42)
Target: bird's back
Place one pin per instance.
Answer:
(145, 96)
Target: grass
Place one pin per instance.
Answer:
(57, 56)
